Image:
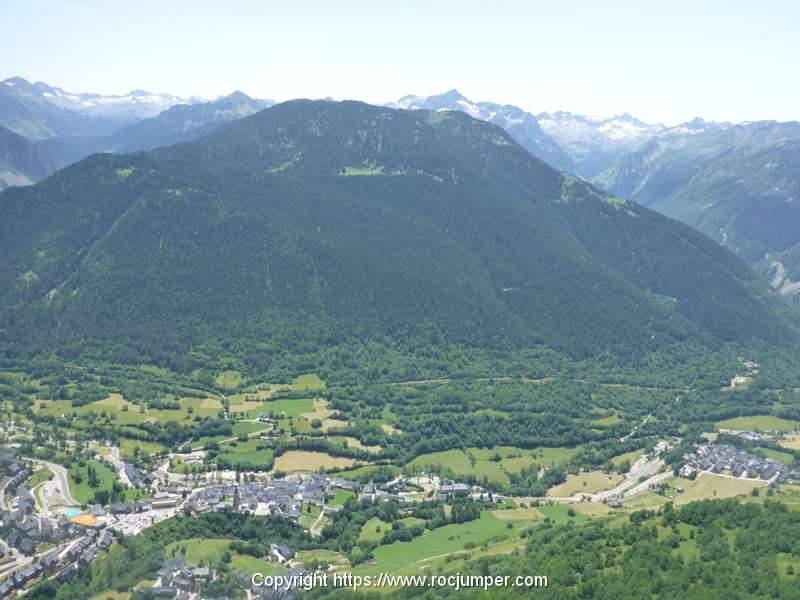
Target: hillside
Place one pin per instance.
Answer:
(179, 123)
(523, 126)
(21, 161)
(317, 221)
(739, 185)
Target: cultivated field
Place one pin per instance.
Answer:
(299, 460)
(585, 483)
(760, 423)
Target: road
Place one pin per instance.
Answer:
(57, 489)
(633, 484)
(649, 468)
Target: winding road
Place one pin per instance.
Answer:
(57, 489)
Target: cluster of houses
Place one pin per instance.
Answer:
(45, 564)
(725, 458)
(81, 552)
(280, 497)
(12, 468)
(178, 579)
(135, 478)
(25, 529)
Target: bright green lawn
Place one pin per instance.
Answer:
(81, 491)
(340, 497)
(405, 556)
(246, 453)
(374, 530)
(308, 382)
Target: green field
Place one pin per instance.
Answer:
(127, 447)
(408, 557)
(482, 463)
(82, 492)
(759, 423)
(782, 457)
(308, 383)
(210, 551)
(708, 486)
(340, 497)
(374, 529)
(560, 513)
(585, 483)
(631, 457)
(248, 427)
(116, 410)
(246, 453)
(229, 379)
(289, 407)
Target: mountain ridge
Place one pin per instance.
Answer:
(324, 218)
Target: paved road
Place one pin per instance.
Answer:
(57, 489)
(644, 467)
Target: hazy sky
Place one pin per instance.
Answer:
(728, 60)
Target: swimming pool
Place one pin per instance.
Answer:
(71, 512)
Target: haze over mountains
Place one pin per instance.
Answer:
(738, 184)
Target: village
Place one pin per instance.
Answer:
(52, 542)
(48, 535)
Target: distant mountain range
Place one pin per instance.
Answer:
(39, 111)
(59, 128)
(736, 183)
(312, 221)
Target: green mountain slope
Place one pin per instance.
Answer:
(317, 221)
(739, 185)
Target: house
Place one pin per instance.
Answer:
(280, 553)
(121, 508)
(27, 546)
(89, 556)
(105, 540)
(452, 489)
(133, 475)
(164, 502)
(265, 417)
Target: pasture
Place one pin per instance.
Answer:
(410, 557)
(759, 423)
(79, 480)
(491, 464)
(585, 483)
(300, 460)
(246, 453)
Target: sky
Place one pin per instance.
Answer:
(729, 60)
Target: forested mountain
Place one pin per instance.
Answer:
(740, 185)
(315, 221)
(21, 161)
(182, 123)
(522, 125)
